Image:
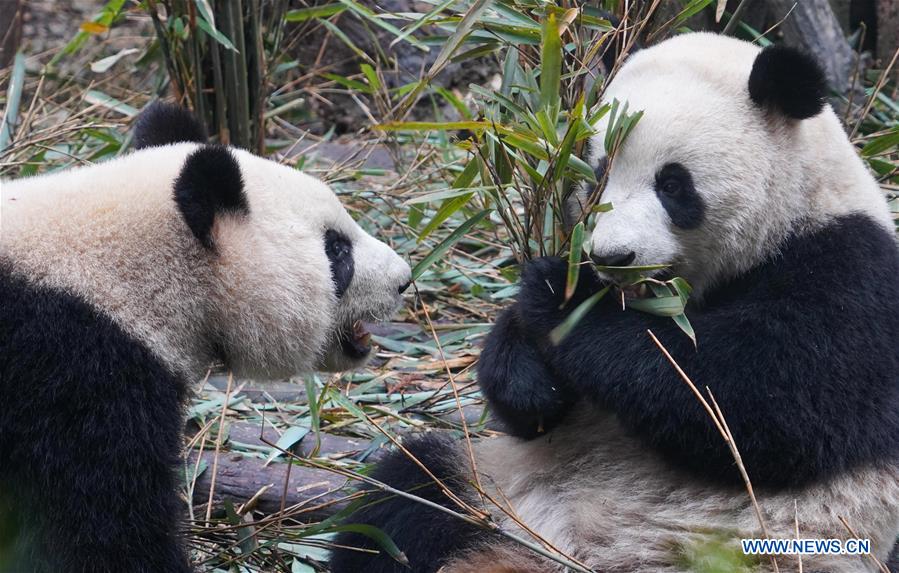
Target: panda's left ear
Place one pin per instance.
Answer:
(789, 81)
(163, 123)
(210, 185)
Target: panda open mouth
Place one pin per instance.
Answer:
(356, 341)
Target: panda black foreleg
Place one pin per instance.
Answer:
(520, 389)
(428, 537)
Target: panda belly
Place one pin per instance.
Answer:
(601, 497)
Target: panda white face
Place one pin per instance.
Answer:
(299, 279)
(710, 180)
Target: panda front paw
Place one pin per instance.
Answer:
(541, 298)
(520, 388)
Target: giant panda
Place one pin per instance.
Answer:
(120, 283)
(741, 179)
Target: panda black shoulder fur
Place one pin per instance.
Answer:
(742, 179)
(119, 284)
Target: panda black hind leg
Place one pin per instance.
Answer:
(90, 435)
(428, 537)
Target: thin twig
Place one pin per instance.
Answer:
(218, 447)
(718, 418)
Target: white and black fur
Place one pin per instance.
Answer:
(743, 181)
(120, 283)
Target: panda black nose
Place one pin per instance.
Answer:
(404, 286)
(616, 260)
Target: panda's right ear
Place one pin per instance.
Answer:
(209, 185)
(163, 123)
(788, 81)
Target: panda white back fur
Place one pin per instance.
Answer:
(741, 179)
(121, 283)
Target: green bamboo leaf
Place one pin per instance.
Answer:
(574, 260)
(423, 19)
(682, 287)
(466, 177)
(659, 306)
(376, 535)
(367, 14)
(468, 21)
(434, 125)
(548, 126)
(371, 76)
(218, 36)
(323, 11)
(550, 66)
(888, 141)
(99, 98)
(448, 242)
(481, 51)
(287, 440)
(684, 324)
(13, 98)
(565, 150)
(340, 35)
(515, 15)
(446, 210)
(436, 196)
(498, 98)
(454, 101)
(690, 10)
(348, 83)
(571, 321)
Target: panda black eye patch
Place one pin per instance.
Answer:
(339, 249)
(675, 190)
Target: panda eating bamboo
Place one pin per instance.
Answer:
(741, 179)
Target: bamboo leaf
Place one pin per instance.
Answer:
(371, 76)
(659, 306)
(550, 66)
(683, 323)
(367, 14)
(376, 535)
(104, 64)
(348, 83)
(571, 321)
(458, 36)
(449, 207)
(888, 141)
(215, 34)
(13, 98)
(323, 11)
(287, 440)
(448, 242)
(99, 98)
(574, 260)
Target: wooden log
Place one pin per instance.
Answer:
(240, 477)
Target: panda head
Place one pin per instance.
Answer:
(735, 151)
(292, 279)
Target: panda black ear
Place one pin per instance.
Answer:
(163, 123)
(789, 81)
(209, 185)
